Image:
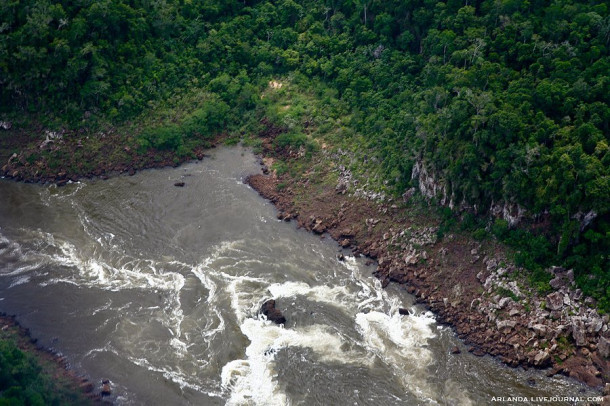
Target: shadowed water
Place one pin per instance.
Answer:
(157, 288)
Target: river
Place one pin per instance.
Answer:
(158, 288)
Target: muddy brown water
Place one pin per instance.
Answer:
(157, 288)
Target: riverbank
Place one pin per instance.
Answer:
(38, 374)
(35, 155)
(470, 284)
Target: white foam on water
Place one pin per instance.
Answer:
(119, 273)
(244, 299)
(19, 281)
(133, 274)
(23, 269)
(212, 288)
(55, 281)
(180, 347)
(66, 192)
(102, 308)
(243, 290)
(456, 394)
(178, 377)
(371, 294)
(402, 344)
(321, 293)
(252, 380)
(12, 259)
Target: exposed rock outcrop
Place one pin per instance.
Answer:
(272, 314)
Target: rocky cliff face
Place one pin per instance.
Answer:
(432, 185)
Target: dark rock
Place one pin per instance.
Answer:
(347, 233)
(476, 351)
(531, 381)
(455, 350)
(179, 184)
(319, 228)
(286, 216)
(557, 283)
(272, 314)
(341, 257)
(106, 391)
(87, 387)
(265, 169)
(403, 311)
(131, 172)
(62, 182)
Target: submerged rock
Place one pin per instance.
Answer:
(272, 314)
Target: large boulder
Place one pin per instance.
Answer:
(578, 332)
(273, 314)
(603, 345)
(554, 301)
(542, 359)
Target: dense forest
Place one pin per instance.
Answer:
(498, 109)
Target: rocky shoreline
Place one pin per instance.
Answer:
(53, 364)
(66, 156)
(470, 285)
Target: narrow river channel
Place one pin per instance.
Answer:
(158, 289)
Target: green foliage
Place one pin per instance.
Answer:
(291, 140)
(479, 234)
(280, 167)
(169, 137)
(503, 292)
(200, 124)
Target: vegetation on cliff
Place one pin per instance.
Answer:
(494, 107)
